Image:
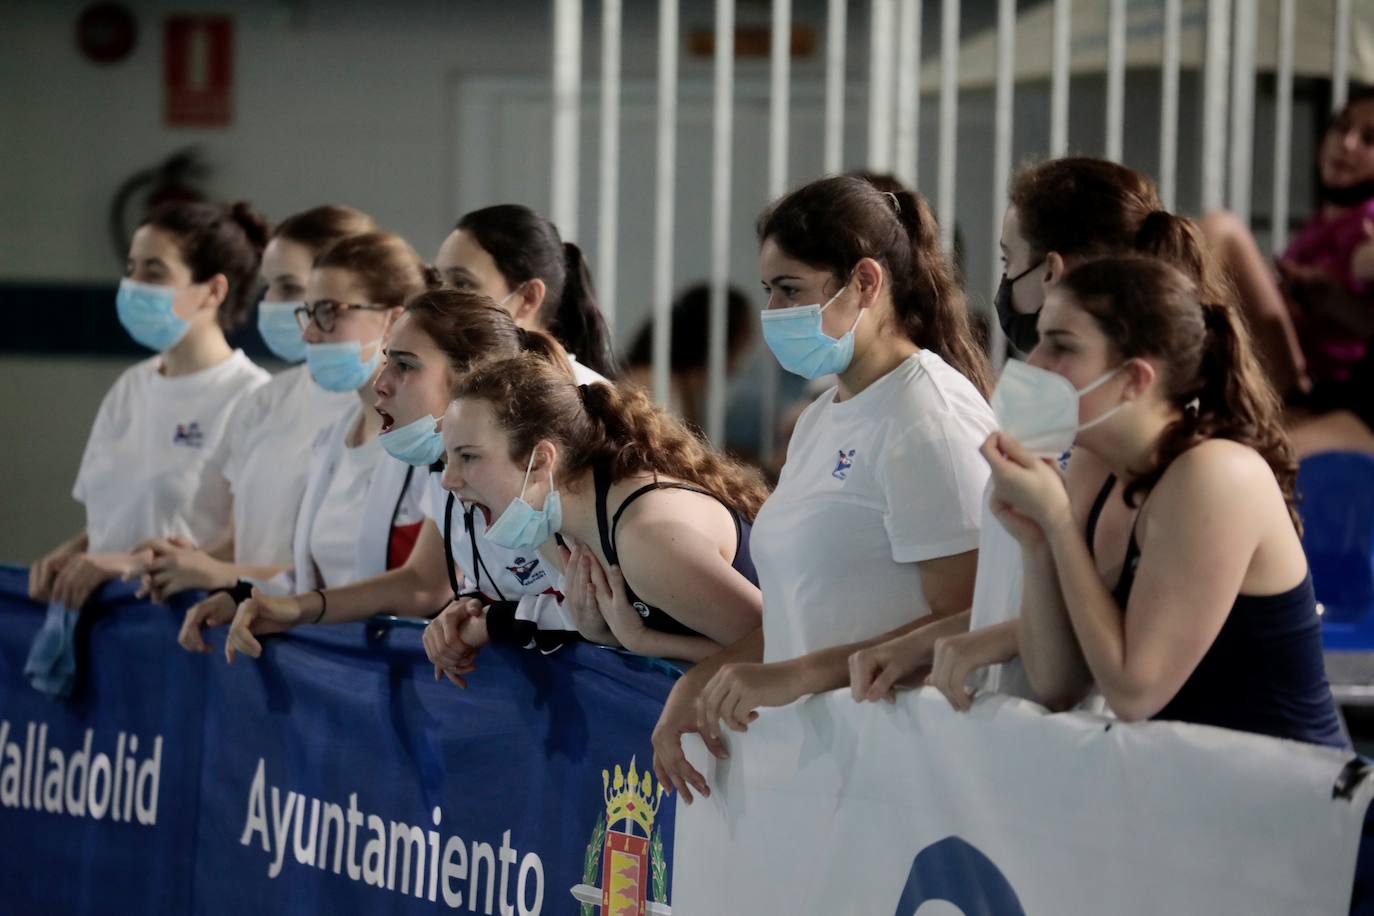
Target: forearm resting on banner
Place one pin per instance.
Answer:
(1050, 652)
(417, 588)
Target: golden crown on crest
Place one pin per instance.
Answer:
(632, 797)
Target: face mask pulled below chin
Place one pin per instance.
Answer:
(1039, 408)
(418, 443)
(340, 366)
(145, 310)
(523, 527)
(800, 344)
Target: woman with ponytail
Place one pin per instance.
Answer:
(873, 528)
(516, 257)
(1061, 213)
(260, 464)
(1178, 587)
(189, 278)
(657, 524)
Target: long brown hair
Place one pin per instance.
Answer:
(385, 264)
(835, 222)
(1147, 308)
(619, 424)
(468, 327)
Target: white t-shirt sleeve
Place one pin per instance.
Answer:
(933, 479)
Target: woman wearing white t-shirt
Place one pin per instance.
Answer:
(189, 278)
(873, 527)
(1060, 213)
(263, 455)
(439, 334)
(515, 257)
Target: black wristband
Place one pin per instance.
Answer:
(239, 592)
(324, 605)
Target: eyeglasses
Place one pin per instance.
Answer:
(325, 313)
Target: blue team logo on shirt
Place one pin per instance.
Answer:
(189, 434)
(842, 466)
(526, 571)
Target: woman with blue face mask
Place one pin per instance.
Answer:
(260, 464)
(439, 334)
(1178, 587)
(873, 527)
(190, 273)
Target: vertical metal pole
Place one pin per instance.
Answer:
(949, 117)
(779, 98)
(1242, 110)
(1214, 74)
(908, 91)
(664, 185)
(881, 22)
(1001, 161)
(722, 136)
(1116, 77)
(1059, 79)
(834, 86)
(1340, 56)
(1168, 109)
(609, 189)
(1283, 122)
(567, 86)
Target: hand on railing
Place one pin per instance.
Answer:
(175, 565)
(215, 611)
(83, 574)
(43, 574)
(452, 639)
(261, 615)
(875, 672)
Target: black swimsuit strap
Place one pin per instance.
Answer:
(1096, 512)
(607, 525)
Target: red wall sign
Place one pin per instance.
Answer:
(198, 71)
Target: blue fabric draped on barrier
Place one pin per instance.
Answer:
(333, 774)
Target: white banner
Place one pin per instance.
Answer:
(831, 807)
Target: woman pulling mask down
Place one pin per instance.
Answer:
(438, 335)
(261, 462)
(658, 524)
(189, 278)
(873, 527)
(360, 513)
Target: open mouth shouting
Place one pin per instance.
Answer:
(388, 420)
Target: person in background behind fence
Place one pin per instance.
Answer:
(1314, 322)
(189, 278)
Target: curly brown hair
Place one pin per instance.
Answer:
(533, 400)
(1148, 308)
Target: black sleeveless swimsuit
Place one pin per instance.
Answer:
(655, 618)
(1264, 673)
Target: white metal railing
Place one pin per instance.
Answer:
(1229, 60)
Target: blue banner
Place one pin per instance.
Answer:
(334, 773)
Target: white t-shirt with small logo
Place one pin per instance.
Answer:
(263, 458)
(872, 486)
(141, 470)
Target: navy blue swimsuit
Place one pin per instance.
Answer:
(1264, 673)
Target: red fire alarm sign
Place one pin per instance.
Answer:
(198, 71)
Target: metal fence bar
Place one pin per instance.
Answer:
(834, 86)
(1116, 77)
(722, 140)
(567, 91)
(1168, 106)
(1059, 79)
(1214, 76)
(949, 117)
(1283, 122)
(905, 157)
(608, 216)
(1242, 109)
(665, 180)
(881, 22)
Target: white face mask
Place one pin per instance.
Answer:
(1039, 408)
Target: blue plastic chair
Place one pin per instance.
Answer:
(1336, 491)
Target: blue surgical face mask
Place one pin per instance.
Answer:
(801, 346)
(417, 443)
(521, 526)
(279, 330)
(145, 310)
(340, 366)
